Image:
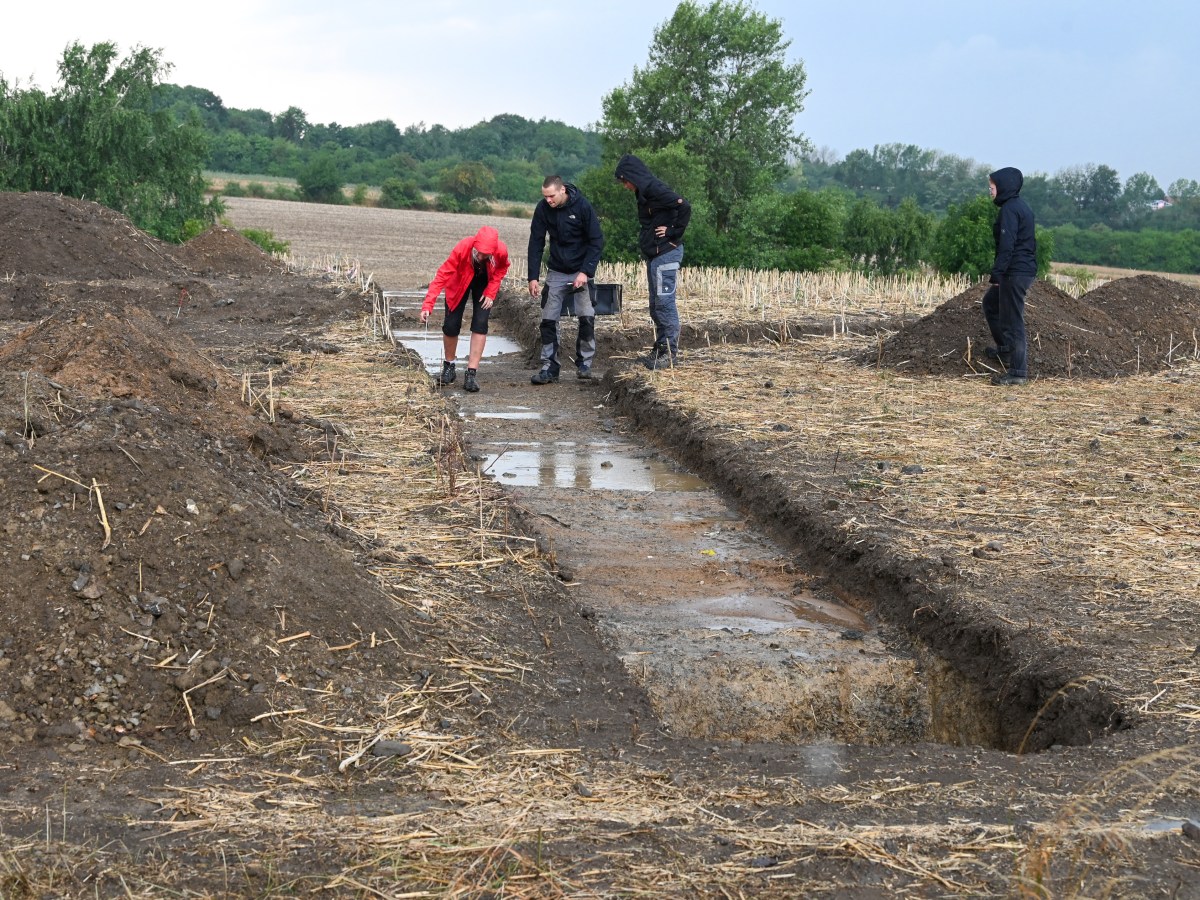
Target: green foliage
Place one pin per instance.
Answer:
(965, 243)
(812, 231)
(193, 227)
(266, 240)
(887, 240)
(1045, 250)
(466, 182)
(398, 193)
(891, 172)
(717, 84)
(100, 137)
(1157, 251)
(320, 181)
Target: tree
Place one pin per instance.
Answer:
(1184, 189)
(1140, 192)
(716, 83)
(99, 137)
(887, 240)
(964, 242)
(319, 180)
(291, 125)
(812, 229)
(466, 182)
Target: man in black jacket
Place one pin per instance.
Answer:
(566, 216)
(663, 216)
(1013, 273)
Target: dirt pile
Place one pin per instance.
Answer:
(162, 580)
(59, 237)
(1127, 326)
(224, 251)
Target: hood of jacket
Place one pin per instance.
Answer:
(633, 170)
(487, 239)
(1008, 183)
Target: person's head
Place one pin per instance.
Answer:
(487, 240)
(554, 190)
(1004, 184)
(628, 185)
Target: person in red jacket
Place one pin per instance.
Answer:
(475, 267)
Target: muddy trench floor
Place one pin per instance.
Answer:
(525, 642)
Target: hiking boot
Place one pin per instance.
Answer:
(662, 360)
(447, 376)
(545, 376)
(1006, 380)
(585, 372)
(655, 352)
(470, 385)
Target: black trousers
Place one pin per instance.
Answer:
(452, 326)
(1004, 310)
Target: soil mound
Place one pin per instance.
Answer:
(1163, 316)
(1127, 326)
(60, 237)
(160, 580)
(225, 251)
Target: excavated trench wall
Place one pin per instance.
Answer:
(990, 682)
(986, 682)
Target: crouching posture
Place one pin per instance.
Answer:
(475, 268)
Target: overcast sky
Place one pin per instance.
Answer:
(1037, 84)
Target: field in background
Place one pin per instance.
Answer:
(1101, 274)
(327, 237)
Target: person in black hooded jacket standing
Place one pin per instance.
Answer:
(1013, 273)
(663, 217)
(576, 241)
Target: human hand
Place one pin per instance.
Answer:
(580, 281)
(661, 231)
(534, 288)
(487, 302)
(424, 316)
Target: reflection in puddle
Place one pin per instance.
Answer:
(428, 343)
(764, 614)
(591, 467)
(1158, 826)
(512, 413)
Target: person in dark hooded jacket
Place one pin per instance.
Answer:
(1013, 273)
(568, 219)
(663, 217)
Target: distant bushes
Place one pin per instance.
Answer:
(1149, 249)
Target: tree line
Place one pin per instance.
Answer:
(712, 113)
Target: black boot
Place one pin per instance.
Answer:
(447, 376)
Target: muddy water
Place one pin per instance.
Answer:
(728, 638)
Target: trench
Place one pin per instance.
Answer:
(729, 634)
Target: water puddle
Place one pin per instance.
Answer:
(511, 413)
(428, 343)
(607, 467)
(763, 614)
(1161, 826)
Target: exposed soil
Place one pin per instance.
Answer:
(1124, 327)
(172, 592)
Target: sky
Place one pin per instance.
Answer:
(1042, 85)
